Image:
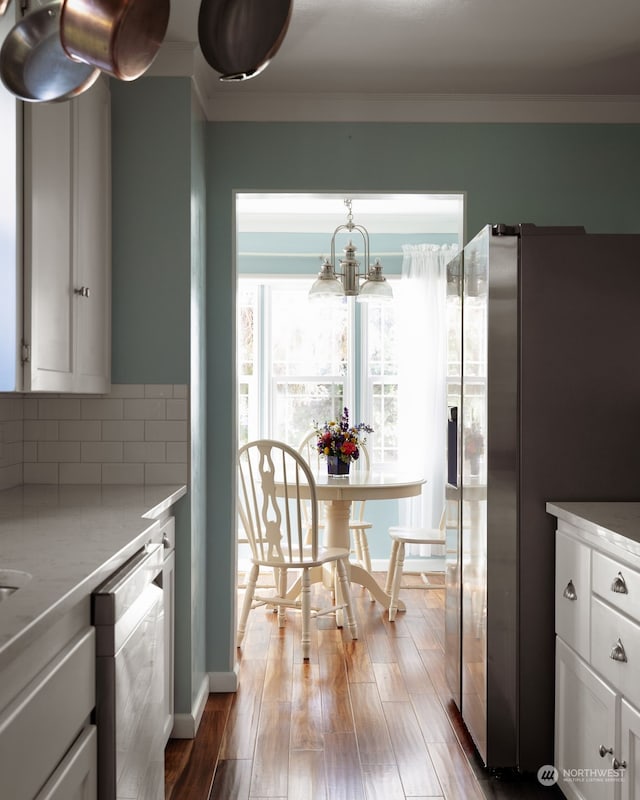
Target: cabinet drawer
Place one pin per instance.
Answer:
(616, 583)
(38, 727)
(611, 630)
(573, 593)
(76, 775)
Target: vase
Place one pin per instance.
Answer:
(337, 467)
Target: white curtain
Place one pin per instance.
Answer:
(422, 401)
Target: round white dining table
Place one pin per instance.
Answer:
(338, 494)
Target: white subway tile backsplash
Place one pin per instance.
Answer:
(177, 452)
(145, 452)
(30, 451)
(165, 473)
(79, 431)
(11, 453)
(123, 473)
(41, 430)
(30, 408)
(145, 409)
(14, 431)
(10, 476)
(10, 408)
(58, 451)
(101, 452)
(137, 433)
(177, 409)
(123, 430)
(80, 473)
(158, 390)
(40, 473)
(127, 390)
(165, 431)
(102, 408)
(59, 408)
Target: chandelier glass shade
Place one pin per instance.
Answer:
(346, 281)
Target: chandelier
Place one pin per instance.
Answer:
(346, 282)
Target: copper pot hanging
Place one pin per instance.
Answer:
(120, 37)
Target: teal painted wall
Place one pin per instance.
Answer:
(159, 240)
(151, 143)
(545, 174)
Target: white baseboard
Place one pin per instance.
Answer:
(433, 564)
(185, 726)
(224, 681)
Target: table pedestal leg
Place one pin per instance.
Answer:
(338, 524)
(338, 536)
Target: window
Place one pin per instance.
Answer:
(298, 361)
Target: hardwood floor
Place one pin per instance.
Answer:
(363, 720)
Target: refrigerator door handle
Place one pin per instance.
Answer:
(452, 447)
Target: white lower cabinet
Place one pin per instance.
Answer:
(76, 776)
(597, 691)
(630, 749)
(41, 726)
(586, 721)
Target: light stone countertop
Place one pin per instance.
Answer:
(70, 539)
(607, 524)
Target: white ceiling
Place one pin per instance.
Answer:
(322, 212)
(342, 56)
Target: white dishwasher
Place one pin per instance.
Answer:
(128, 617)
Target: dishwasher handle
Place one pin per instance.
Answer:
(117, 594)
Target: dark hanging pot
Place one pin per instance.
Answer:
(238, 38)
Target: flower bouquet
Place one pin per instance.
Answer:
(339, 442)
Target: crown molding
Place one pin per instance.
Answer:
(293, 107)
(242, 104)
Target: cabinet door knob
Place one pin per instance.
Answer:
(604, 750)
(83, 291)
(570, 591)
(619, 585)
(166, 541)
(617, 652)
(618, 764)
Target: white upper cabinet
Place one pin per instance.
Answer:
(67, 244)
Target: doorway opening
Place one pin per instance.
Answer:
(300, 362)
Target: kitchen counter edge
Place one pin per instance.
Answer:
(611, 526)
(123, 521)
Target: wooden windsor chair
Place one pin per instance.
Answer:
(275, 483)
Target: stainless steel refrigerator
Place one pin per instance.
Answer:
(544, 404)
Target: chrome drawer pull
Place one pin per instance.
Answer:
(619, 585)
(617, 652)
(618, 764)
(604, 750)
(570, 591)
